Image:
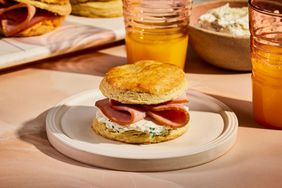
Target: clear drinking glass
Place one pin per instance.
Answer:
(266, 54)
(157, 30)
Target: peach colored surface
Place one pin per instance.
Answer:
(28, 160)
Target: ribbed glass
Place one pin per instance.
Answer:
(266, 54)
(156, 23)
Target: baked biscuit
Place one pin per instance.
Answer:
(40, 17)
(126, 114)
(94, 9)
(58, 2)
(58, 9)
(42, 27)
(144, 82)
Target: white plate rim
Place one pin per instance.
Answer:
(65, 140)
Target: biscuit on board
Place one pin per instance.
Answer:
(42, 27)
(49, 14)
(94, 9)
(62, 8)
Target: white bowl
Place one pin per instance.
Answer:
(220, 49)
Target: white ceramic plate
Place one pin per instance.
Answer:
(212, 132)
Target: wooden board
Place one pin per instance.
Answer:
(76, 33)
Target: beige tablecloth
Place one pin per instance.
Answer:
(28, 160)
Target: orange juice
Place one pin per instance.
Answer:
(267, 85)
(157, 30)
(164, 48)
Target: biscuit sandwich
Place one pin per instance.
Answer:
(97, 8)
(145, 103)
(26, 18)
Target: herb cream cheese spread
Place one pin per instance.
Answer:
(226, 20)
(143, 126)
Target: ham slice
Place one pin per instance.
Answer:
(121, 114)
(18, 17)
(172, 113)
(3, 2)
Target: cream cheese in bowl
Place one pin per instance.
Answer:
(226, 19)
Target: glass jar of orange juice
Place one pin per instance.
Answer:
(157, 30)
(266, 46)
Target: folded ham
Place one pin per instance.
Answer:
(121, 114)
(3, 2)
(171, 113)
(17, 17)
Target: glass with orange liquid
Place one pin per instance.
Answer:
(157, 30)
(266, 55)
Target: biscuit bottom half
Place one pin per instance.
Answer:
(136, 137)
(42, 27)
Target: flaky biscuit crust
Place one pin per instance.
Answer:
(94, 9)
(58, 2)
(136, 137)
(58, 9)
(145, 82)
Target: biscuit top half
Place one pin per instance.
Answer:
(144, 82)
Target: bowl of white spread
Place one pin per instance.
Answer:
(219, 33)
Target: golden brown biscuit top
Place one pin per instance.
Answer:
(146, 76)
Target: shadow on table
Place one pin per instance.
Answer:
(87, 61)
(196, 65)
(242, 109)
(93, 62)
(34, 132)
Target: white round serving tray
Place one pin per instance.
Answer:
(212, 132)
